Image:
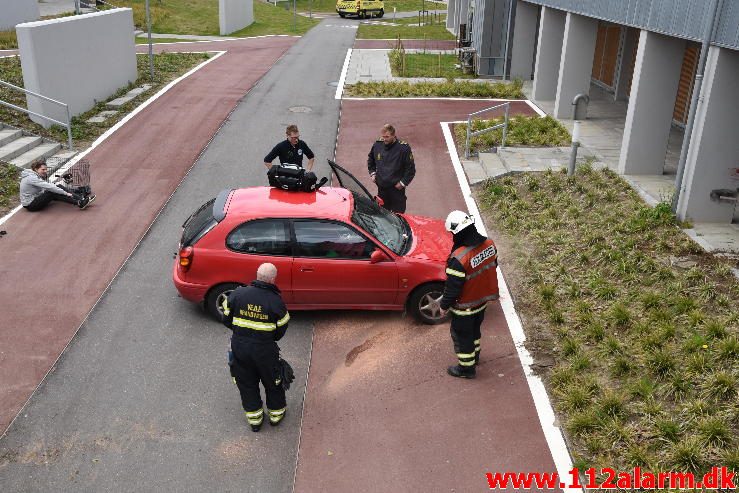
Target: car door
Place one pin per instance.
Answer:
(331, 267)
(253, 243)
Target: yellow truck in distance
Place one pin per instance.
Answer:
(360, 8)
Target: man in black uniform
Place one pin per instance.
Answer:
(291, 150)
(391, 167)
(258, 318)
(472, 282)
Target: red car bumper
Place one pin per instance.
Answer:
(189, 291)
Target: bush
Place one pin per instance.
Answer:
(446, 89)
(522, 131)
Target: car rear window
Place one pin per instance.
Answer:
(199, 223)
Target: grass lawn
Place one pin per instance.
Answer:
(449, 88)
(201, 17)
(639, 352)
(406, 28)
(428, 65)
(167, 66)
(532, 131)
(400, 5)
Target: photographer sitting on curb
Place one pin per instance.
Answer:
(36, 193)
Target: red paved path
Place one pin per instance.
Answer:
(55, 265)
(381, 415)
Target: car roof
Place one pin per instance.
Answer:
(274, 202)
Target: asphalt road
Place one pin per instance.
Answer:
(141, 399)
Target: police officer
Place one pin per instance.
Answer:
(391, 167)
(258, 318)
(471, 282)
(291, 150)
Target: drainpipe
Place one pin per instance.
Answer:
(694, 100)
(511, 5)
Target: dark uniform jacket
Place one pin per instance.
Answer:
(256, 313)
(391, 164)
(465, 264)
(289, 154)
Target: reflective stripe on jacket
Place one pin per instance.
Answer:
(480, 276)
(256, 312)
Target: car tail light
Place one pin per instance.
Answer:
(186, 255)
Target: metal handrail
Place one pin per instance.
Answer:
(68, 125)
(471, 134)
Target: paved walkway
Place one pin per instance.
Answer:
(380, 413)
(63, 260)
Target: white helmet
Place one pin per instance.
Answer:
(456, 221)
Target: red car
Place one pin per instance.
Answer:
(334, 248)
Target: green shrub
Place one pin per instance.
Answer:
(447, 89)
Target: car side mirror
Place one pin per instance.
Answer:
(377, 255)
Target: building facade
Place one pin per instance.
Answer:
(645, 52)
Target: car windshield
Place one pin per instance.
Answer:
(390, 229)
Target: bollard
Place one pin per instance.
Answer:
(579, 112)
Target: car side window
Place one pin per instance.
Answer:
(324, 239)
(262, 236)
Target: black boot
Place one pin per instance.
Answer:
(256, 428)
(477, 358)
(461, 371)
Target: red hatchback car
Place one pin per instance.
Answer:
(334, 248)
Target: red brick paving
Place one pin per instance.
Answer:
(381, 415)
(56, 264)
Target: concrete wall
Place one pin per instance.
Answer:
(524, 40)
(77, 60)
(548, 54)
(576, 63)
(649, 115)
(235, 15)
(13, 12)
(714, 146)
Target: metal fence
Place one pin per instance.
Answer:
(425, 58)
(470, 133)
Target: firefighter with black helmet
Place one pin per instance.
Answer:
(471, 283)
(258, 318)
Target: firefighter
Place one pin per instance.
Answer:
(471, 282)
(258, 318)
(391, 168)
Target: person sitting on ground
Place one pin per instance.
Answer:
(36, 193)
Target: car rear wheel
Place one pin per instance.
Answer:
(214, 300)
(342, 14)
(381, 13)
(422, 304)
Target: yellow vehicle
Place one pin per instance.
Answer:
(360, 8)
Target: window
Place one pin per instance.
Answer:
(330, 240)
(266, 237)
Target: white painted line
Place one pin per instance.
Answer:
(344, 69)
(535, 108)
(423, 98)
(552, 433)
(126, 118)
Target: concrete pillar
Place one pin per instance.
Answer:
(714, 146)
(625, 72)
(649, 115)
(576, 63)
(451, 13)
(548, 54)
(524, 41)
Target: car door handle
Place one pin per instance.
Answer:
(306, 268)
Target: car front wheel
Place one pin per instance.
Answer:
(215, 298)
(423, 304)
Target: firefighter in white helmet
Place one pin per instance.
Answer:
(470, 284)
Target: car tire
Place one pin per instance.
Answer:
(342, 15)
(215, 298)
(381, 13)
(418, 304)
(363, 14)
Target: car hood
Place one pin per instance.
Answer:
(430, 240)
